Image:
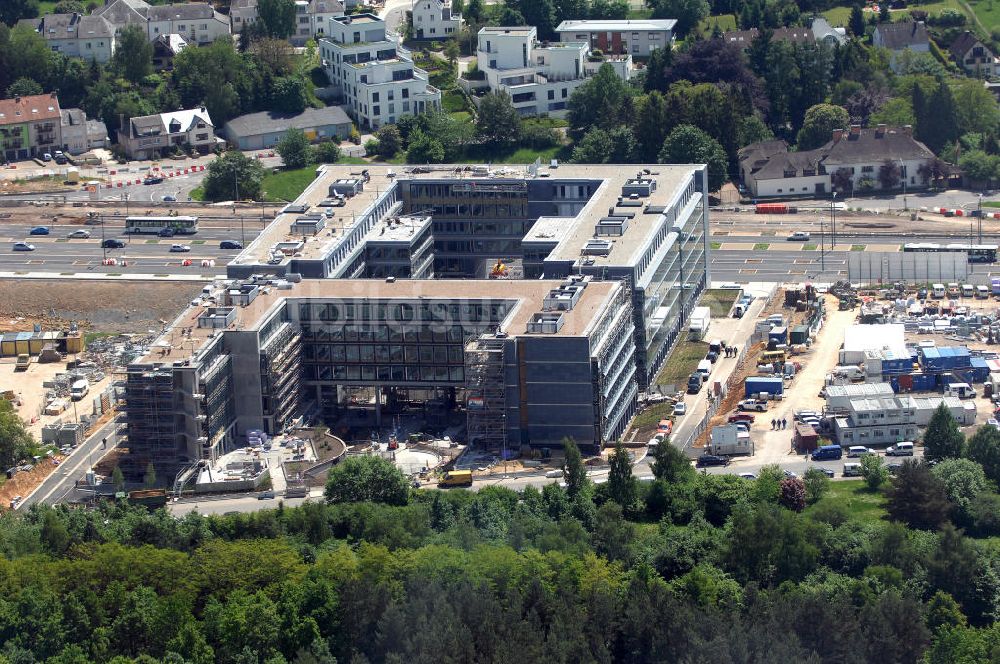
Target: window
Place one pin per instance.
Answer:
(552, 94)
(406, 107)
(564, 93)
(377, 111)
(182, 27)
(375, 97)
(867, 169)
(392, 95)
(406, 93)
(392, 108)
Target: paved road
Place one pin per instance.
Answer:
(62, 480)
(144, 253)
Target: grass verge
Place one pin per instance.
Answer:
(809, 247)
(861, 504)
(682, 361)
(761, 246)
(716, 245)
(719, 300)
(650, 417)
(857, 247)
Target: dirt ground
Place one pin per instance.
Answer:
(95, 306)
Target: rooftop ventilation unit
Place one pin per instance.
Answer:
(545, 323)
(641, 186)
(611, 226)
(596, 247)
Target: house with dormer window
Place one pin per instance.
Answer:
(152, 136)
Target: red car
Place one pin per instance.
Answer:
(741, 417)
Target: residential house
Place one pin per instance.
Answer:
(637, 37)
(152, 136)
(165, 49)
(80, 134)
(311, 17)
(75, 35)
(375, 77)
(540, 77)
(820, 32)
(197, 22)
(257, 131)
(900, 37)
(975, 57)
(433, 19)
(851, 160)
(30, 126)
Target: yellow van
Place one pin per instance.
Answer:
(456, 478)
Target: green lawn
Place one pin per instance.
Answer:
(761, 246)
(988, 12)
(716, 245)
(477, 154)
(462, 116)
(726, 23)
(809, 247)
(551, 123)
(857, 247)
(719, 300)
(288, 185)
(682, 361)
(640, 14)
(198, 193)
(47, 6)
(861, 504)
(994, 204)
(649, 418)
(453, 101)
(840, 15)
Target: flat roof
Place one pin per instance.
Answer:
(570, 232)
(617, 25)
(175, 344)
(507, 30)
(670, 180)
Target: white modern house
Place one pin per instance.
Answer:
(433, 19)
(75, 35)
(852, 158)
(638, 37)
(374, 76)
(540, 77)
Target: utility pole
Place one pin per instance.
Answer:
(833, 220)
(980, 218)
(822, 245)
(104, 248)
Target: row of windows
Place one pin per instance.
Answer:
(384, 353)
(384, 311)
(387, 374)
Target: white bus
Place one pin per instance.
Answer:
(179, 225)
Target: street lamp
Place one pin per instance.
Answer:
(902, 174)
(822, 245)
(980, 218)
(833, 220)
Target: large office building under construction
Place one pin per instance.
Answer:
(534, 304)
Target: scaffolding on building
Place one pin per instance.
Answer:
(486, 391)
(149, 400)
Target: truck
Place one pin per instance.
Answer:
(699, 322)
(79, 389)
(23, 360)
(456, 478)
(730, 439)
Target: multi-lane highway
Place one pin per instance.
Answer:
(59, 254)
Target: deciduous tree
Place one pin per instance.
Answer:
(367, 479)
(276, 18)
(687, 144)
(15, 441)
(133, 54)
(942, 439)
(819, 123)
(499, 123)
(873, 471)
(234, 176)
(294, 149)
(621, 484)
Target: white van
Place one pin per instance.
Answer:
(852, 470)
(960, 390)
(937, 291)
(900, 449)
(856, 451)
(982, 293)
(849, 371)
(968, 290)
(79, 389)
(705, 368)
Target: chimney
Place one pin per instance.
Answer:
(908, 130)
(17, 99)
(879, 130)
(837, 134)
(855, 130)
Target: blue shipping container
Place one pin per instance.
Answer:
(778, 334)
(758, 384)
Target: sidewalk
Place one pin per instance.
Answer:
(735, 332)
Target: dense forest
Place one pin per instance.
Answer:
(688, 568)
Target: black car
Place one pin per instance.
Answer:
(153, 180)
(230, 244)
(712, 356)
(711, 460)
(112, 244)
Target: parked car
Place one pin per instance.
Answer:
(789, 474)
(23, 246)
(39, 230)
(748, 476)
(180, 248)
(857, 451)
(153, 180)
(741, 417)
(265, 495)
(46, 157)
(711, 460)
(798, 236)
(112, 243)
(666, 427)
(169, 199)
(680, 408)
(230, 244)
(753, 404)
(79, 235)
(826, 471)
(900, 449)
